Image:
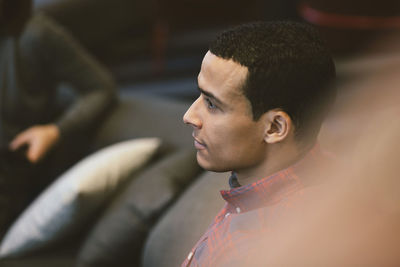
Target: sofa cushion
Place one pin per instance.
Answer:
(117, 238)
(76, 196)
(184, 223)
(138, 116)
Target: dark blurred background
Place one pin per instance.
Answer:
(162, 42)
(154, 40)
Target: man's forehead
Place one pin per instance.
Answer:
(223, 76)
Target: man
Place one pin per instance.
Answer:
(264, 92)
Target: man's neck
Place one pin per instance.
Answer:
(277, 159)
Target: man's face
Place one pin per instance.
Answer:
(225, 135)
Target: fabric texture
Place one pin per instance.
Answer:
(118, 237)
(76, 196)
(147, 115)
(184, 222)
(248, 213)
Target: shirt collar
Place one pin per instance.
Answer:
(270, 189)
(233, 181)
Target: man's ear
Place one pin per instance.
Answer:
(278, 126)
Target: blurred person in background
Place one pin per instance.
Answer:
(264, 94)
(38, 138)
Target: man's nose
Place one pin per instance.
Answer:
(191, 116)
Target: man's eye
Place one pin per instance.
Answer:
(210, 104)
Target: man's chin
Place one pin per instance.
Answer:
(209, 165)
(203, 162)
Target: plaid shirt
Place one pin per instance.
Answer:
(246, 215)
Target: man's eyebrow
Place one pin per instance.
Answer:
(210, 95)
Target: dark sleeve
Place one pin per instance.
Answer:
(64, 60)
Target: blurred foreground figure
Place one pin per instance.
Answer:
(36, 56)
(264, 93)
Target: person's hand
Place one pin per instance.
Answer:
(39, 140)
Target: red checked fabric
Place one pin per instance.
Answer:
(244, 216)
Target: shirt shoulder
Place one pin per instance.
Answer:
(40, 25)
(42, 34)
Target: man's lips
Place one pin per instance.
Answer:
(198, 144)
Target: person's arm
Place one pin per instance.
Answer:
(69, 62)
(64, 60)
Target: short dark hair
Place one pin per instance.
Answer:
(289, 68)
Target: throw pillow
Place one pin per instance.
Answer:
(76, 196)
(118, 236)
